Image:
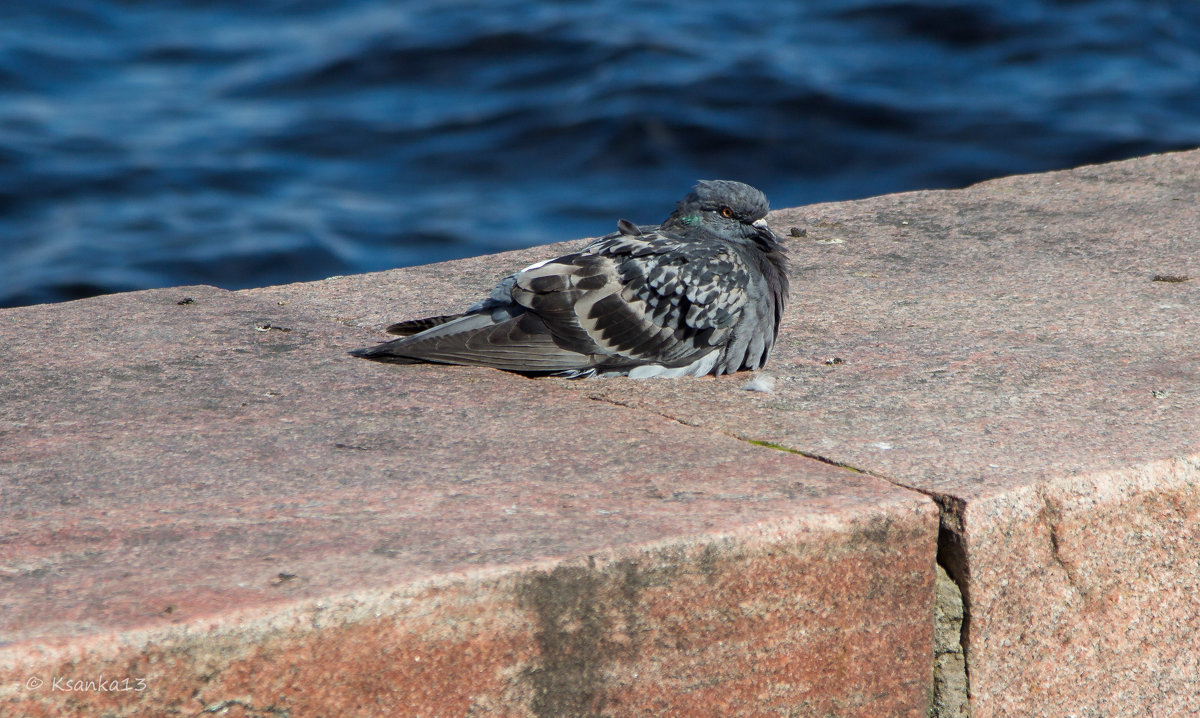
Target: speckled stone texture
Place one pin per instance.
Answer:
(213, 497)
(1026, 351)
(208, 507)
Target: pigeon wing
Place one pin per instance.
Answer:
(519, 343)
(639, 299)
(416, 326)
(624, 301)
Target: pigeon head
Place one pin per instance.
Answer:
(729, 209)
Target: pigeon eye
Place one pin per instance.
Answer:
(727, 213)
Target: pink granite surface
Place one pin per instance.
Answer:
(1008, 349)
(1027, 351)
(252, 519)
(207, 506)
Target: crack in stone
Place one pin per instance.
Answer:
(626, 405)
(951, 689)
(755, 442)
(1049, 514)
(801, 452)
(952, 679)
(247, 709)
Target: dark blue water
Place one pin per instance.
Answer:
(147, 144)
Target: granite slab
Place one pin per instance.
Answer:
(1026, 351)
(208, 507)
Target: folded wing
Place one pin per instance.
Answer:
(626, 300)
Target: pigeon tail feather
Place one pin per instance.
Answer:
(416, 326)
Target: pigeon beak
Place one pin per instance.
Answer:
(764, 229)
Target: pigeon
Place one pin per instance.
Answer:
(702, 293)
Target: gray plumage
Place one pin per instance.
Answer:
(702, 293)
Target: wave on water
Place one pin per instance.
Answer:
(184, 142)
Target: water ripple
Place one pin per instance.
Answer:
(243, 144)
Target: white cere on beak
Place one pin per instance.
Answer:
(762, 224)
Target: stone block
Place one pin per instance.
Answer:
(207, 506)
